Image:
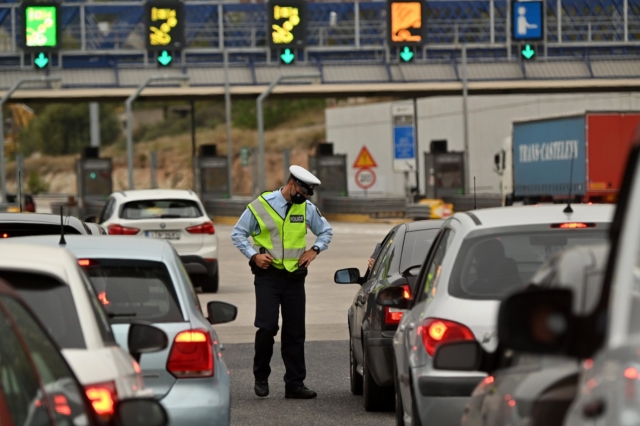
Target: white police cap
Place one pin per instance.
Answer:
(304, 178)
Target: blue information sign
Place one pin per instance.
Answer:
(404, 137)
(528, 20)
(403, 143)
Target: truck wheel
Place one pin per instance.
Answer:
(354, 377)
(376, 398)
(206, 283)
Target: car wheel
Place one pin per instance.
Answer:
(354, 377)
(376, 398)
(399, 406)
(207, 284)
(415, 412)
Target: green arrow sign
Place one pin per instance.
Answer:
(407, 54)
(528, 52)
(287, 57)
(41, 61)
(165, 58)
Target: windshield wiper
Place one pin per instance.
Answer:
(121, 314)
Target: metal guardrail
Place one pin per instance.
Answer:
(463, 203)
(418, 211)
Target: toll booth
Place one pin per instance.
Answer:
(331, 169)
(214, 176)
(444, 171)
(95, 180)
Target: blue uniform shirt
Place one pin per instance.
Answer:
(247, 224)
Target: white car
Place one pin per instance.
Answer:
(174, 215)
(50, 281)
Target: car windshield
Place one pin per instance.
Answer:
(489, 266)
(52, 301)
(26, 229)
(134, 290)
(160, 209)
(416, 246)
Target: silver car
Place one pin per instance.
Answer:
(143, 279)
(477, 258)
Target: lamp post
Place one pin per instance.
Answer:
(128, 102)
(259, 102)
(3, 100)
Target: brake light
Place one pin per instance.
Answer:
(392, 315)
(115, 229)
(191, 355)
(103, 397)
(5, 235)
(203, 228)
(88, 262)
(573, 225)
(436, 331)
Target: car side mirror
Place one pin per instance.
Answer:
(459, 356)
(538, 321)
(393, 297)
(145, 338)
(91, 219)
(347, 276)
(221, 312)
(139, 412)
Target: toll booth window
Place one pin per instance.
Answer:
(161, 209)
(97, 182)
(449, 172)
(214, 180)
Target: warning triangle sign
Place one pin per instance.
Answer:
(364, 159)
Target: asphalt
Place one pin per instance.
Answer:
(327, 374)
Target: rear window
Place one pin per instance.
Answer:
(416, 246)
(52, 302)
(490, 266)
(133, 290)
(160, 209)
(9, 230)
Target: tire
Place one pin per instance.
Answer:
(399, 406)
(354, 377)
(206, 283)
(376, 398)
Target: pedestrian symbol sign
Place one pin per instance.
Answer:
(528, 20)
(364, 159)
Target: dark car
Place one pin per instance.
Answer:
(21, 225)
(28, 205)
(37, 386)
(372, 327)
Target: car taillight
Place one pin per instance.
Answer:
(61, 405)
(115, 229)
(103, 397)
(573, 225)
(191, 355)
(393, 315)
(203, 228)
(436, 331)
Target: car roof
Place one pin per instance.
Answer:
(15, 253)
(47, 218)
(105, 246)
(155, 194)
(420, 225)
(537, 215)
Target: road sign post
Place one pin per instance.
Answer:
(404, 143)
(365, 176)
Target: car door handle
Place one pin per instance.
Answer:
(593, 409)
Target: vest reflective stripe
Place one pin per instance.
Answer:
(274, 229)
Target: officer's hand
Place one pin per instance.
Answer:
(370, 262)
(263, 260)
(307, 257)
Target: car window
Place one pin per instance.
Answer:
(489, 266)
(26, 229)
(99, 312)
(433, 270)
(52, 302)
(57, 378)
(184, 276)
(18, 380)
(160, 209)
(383, 259)
(416, 246)
(134, 290)
(107, 211)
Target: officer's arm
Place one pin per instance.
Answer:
(247, 225)
(319, 226)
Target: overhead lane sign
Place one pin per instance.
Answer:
(164, 25)
(528, 20)
(287, 23)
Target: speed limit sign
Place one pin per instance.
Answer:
(365, 178)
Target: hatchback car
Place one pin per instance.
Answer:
(174, 215)
(371, 327)
(145, 280)
(21, 224)
(37, 386)
(477, 259)
(50, 281)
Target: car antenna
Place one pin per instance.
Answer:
(474, 193)
(20, 189)
(568, 209)
(62, 240)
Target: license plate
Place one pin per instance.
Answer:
(397, 310)
(164, 235)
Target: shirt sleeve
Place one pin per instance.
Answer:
(319, 226)
(246, 225)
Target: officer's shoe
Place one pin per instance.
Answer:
(299, 392)
(261, 388)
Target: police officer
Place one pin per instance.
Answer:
(278, 221)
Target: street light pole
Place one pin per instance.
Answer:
(3, 100)
(259, 101)
(129, 102)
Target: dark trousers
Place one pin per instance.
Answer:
(275, 288)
